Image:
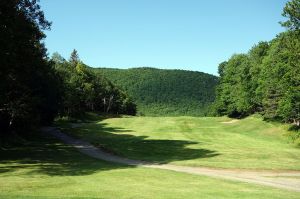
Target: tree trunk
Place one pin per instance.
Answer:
(110, 103)
(104, 103)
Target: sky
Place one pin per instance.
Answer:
(192, 35)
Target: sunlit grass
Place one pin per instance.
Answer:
(195, 141)
(46, 168)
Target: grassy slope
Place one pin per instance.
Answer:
(249, 143)
(46, 168)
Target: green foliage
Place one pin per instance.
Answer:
(232, 92)
(165, 92)
(267, 79)
(85, 91)
(280, 81)
(292, 12)
(29, 87)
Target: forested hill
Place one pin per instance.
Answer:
(165, 92)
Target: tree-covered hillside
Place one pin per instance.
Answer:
(165, 92)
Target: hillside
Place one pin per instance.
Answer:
(165, 92)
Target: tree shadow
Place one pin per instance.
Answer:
(46, 155)
(121, 142)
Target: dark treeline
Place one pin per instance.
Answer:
(34, 89)
(29, 87)
(159, 92)
(266, 80)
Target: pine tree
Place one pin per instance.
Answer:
(74, 58)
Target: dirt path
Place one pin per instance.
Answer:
(285, 180)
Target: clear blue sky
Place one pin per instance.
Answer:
(174, 34)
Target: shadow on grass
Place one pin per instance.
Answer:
(121, 142)
(47, 155)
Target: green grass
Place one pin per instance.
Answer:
(195, 141)
(46, 168)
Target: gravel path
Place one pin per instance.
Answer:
(279, 179)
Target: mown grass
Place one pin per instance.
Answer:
(250, 143)
(46, 168)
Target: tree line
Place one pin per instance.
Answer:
(35, 89)
(83, 90)
(265, 80)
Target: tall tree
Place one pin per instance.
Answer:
(29, 89)
(74, 58)
(232, 92)
(256, 56)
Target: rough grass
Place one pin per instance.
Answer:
(195, 141)
(46, 168)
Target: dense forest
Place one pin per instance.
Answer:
(266, 80)
(165, 92)
(33, 88)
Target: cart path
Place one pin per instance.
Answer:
(279, 179)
